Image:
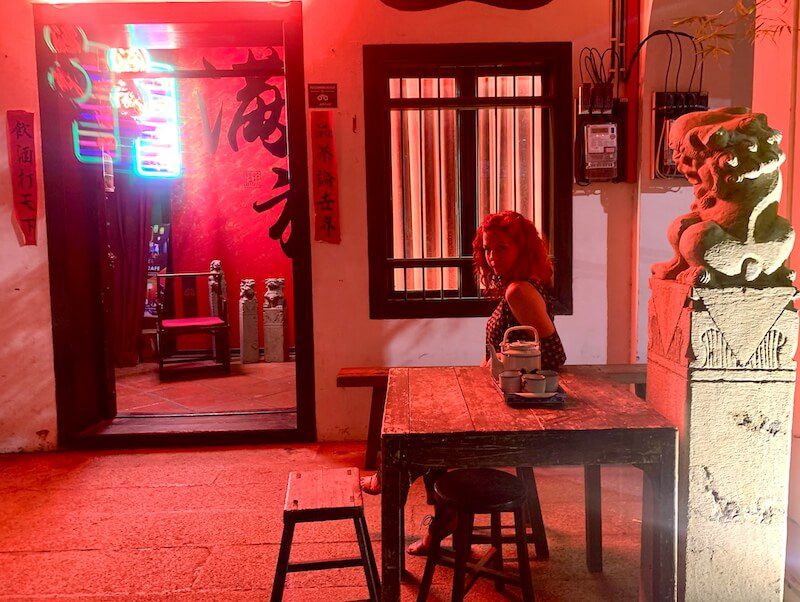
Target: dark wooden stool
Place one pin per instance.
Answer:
(533, 517)
(378, 379)
(468, 492)
(320, 495)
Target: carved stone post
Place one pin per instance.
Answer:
(248, 321)
(722, 334)
(274, 320)
(216, 290)
(216, 286)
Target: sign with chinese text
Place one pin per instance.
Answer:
(22, 161)
(322, 96)
(325, 183)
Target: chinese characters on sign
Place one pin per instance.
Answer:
(22, 161)
(325, 184)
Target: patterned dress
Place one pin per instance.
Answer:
(503, 318)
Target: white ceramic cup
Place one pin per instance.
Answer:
(510, 382)
(551, 380)
(533, 383)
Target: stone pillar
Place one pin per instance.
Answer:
(722, 334)
(248, 321)
(720, 366)
(216, 290)
(216, 286)
(274, 320)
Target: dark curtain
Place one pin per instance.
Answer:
(128, 213)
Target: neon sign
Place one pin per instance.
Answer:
(158, 150)
(153, 105)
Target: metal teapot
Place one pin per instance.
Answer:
(519, 355)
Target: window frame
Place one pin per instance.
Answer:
(386, 61)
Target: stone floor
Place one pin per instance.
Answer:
(248, 388)
(205, 524)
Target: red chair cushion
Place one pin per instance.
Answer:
(192, 322)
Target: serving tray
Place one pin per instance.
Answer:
(533, 400)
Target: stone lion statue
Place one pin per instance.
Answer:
(274, 295)
(733, 234)
(247, 289)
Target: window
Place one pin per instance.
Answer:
(455, 132)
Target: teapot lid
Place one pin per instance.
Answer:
(522, 348)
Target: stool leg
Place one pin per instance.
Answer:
(370, 568)
(534, 510)
(433, 554)
(526, 581)
(461, 540)
(374, 430)
(283, 561)
(497, 543)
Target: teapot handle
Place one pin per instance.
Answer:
(531, 328)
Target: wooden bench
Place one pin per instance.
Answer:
(378, 379)
(322, 495)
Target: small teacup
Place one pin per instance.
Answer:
(551, 380)
(509, 381)
(533, 383)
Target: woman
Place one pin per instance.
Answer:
(512, 264)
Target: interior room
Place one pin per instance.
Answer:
(399, 299)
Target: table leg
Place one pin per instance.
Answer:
(658, 530)
(666, 506)
(391, 543)
(594, 518)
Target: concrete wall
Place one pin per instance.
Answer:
(27, 384)
(775, 92)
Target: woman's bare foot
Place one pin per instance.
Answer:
(421, 546)
(371, 484)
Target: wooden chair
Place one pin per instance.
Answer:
(322, 495)
(216, 325)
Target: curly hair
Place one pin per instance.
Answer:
(533, 260)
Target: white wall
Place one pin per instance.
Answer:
(729, 82)
(335, 33)
(27, 384)
(607, 219)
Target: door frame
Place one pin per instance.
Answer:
(83, 366)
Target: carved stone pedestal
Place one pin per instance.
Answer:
(248, 322)
(720, 366)
(273, 319)
(273, 334)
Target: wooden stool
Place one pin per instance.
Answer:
(533, 517)
(320, 495)
(378, 379)
(468, 492)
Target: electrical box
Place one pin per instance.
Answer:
(667, 107)
(600, 144)
(599, 129)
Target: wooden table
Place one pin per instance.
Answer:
(456, 417)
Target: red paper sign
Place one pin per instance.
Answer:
(325, 185)
(22, 161)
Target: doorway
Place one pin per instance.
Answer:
(178, 229)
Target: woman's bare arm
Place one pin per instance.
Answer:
(529, 308)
